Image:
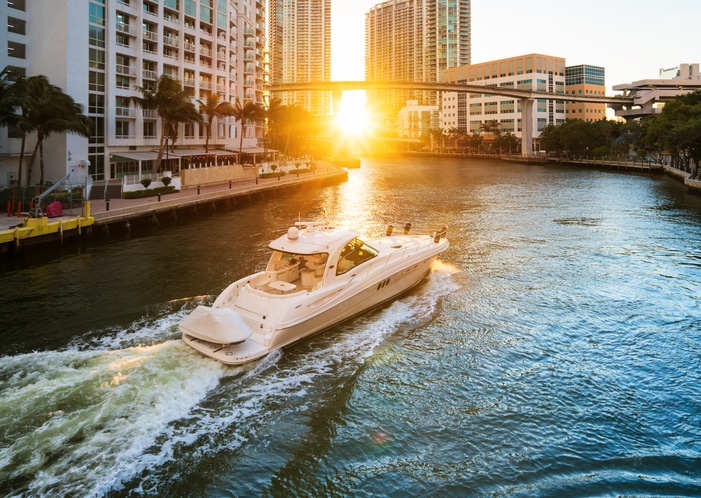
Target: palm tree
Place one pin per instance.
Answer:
(47, 110)
(274, 114)
(212, 107)
(12, 97)
(510, 140)
(246, 112)
(173, 105)
(476, 140)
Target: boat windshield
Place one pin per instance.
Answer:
(355, 253)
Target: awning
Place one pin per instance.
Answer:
(255, 150)
(137, 156)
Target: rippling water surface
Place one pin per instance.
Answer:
(554, 350)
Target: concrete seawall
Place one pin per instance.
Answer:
(119, 214)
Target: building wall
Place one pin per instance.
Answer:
(300, 50)
(469, 112)
(414, 120)
(586, 80)
(101, 50)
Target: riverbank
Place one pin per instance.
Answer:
(105, 216)
(633, 166)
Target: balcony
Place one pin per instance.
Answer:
(149, 75)
(123, 27)
(124, 112)
(150, 35)
(170, 41)
(125, 70)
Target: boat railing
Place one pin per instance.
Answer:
(408, 250)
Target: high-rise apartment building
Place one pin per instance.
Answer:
(414, 40)
(584, 80)
(99, 51)
(300, 50)
(470, 112)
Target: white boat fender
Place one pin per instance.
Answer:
(216, 325)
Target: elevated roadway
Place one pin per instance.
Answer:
(527, 97)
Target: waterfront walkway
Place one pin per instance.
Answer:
(105, 212)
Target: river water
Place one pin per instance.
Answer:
(554, 350)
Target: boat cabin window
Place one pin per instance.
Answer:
(355, 253)
(315, 262)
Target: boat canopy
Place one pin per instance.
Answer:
(312, 240)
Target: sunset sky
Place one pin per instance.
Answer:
(631, 40)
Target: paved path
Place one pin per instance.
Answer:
(125, 208)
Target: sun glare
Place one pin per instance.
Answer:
(353, 118)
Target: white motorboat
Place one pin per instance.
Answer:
(317, 276)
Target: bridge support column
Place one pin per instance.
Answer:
(527, 127)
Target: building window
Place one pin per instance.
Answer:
(96, 81)
(96, 36)
(149, 129)
(96, 104)
(97, 59)
(121, 129)
(122, 40)
(122, 82)
(98, 130)
(16, 4)
(15, 25)
(16, 50)
(97, 14)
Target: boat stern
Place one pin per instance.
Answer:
(229, 354)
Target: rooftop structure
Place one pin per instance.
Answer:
(650, 95)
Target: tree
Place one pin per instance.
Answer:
(173, 105)
(212, 107)
(274, 114)
(678, 130)
(437, 135)
(13, 92)
(493, 127)
(509, 141)
(476, 140)
(46, 110)
(246, 112)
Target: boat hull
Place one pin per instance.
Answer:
(374, 294)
